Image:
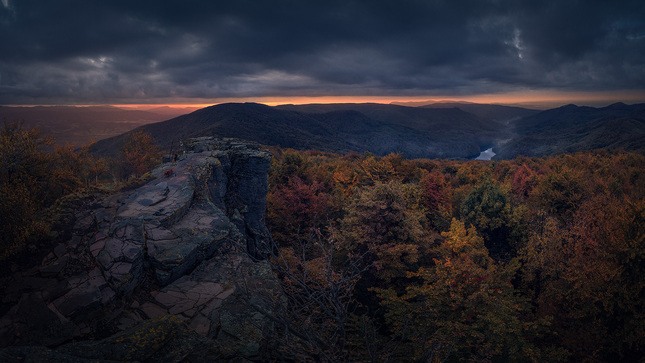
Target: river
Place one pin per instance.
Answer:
(486, 154)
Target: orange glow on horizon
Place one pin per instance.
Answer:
(529, 99)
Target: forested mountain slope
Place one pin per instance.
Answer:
(573, 128)
(381, 129)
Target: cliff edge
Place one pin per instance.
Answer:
(170, 255)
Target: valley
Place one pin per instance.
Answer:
(439, 130)
(82, 125)
(446, 132)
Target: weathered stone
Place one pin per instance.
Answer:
(32, 322)
(124, 277)
(84, 223)
(155, 232)
(176, 244)
(129, 320)
(241, 328)
(200, 324)
(51, 257)
(97, 247)
(60, 250)
(107, 296)
(80, 301)
(170, 298)
(210, 308)
(55, 290)
(127, 230)
(153, 311)
(112, 252)
(165, 202)
(95, 278)
(154, 195)
(54, 268)
(75, 242)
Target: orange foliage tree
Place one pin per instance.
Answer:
(464, 307)
(33, 175)
(25, 175)
(139, 154)
(589, 275)
(380, 219)
(574, 292)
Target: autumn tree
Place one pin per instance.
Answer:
(435, 198)
(587, 275)
(523, 181)
(487, 207)
(376, 169)
(288, 164)
(463, 308)
(138, 155)
(576, 220)
(34, 173)
(77, 167)
(294, 206)
(313, 310)
(26, 167)
(560, 191)
(380, 219)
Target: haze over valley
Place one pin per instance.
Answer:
(83, 125)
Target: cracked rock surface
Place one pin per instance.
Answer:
(171, 251)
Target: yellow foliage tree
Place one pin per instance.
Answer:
(139, 154)
(462, 308)
(26, 182)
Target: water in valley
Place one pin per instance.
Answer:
(486, 154)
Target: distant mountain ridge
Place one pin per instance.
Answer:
(378, 128)
(492, 112)
(574, 128)
(433, 131)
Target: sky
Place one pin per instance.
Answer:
(202, 52)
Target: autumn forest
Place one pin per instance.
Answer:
(382, 258)
(530, 259)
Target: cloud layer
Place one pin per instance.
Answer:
(140, 51)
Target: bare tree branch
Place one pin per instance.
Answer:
(312, 315)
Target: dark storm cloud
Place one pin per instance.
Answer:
(120, 51)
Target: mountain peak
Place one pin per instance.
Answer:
(617, 105)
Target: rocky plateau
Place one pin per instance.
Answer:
(160, 272)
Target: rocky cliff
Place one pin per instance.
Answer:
(163, 261)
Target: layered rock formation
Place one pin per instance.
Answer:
(180, 245)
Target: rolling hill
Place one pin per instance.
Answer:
(574, 128)
(499, 113)
(378, 128)
(434, 131)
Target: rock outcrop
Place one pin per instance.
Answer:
(181, 245)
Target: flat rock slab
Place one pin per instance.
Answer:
(82, 298)
(161, 201)
(195, 237)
